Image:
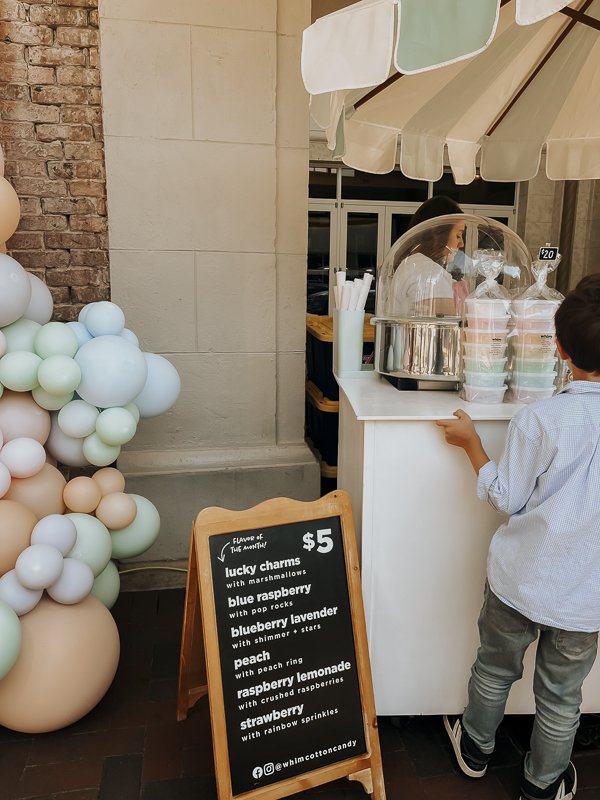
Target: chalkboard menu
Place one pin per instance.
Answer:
(286, 646)
(282, 623)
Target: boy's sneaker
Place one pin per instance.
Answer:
(563, 788)
(471, 760)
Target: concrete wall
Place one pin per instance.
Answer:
(206, 137)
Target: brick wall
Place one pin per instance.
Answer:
(51, 134)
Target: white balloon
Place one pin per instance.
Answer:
(113, 371)
(80, 331)
(74, 584)
(23, 457)
(63, 448)
(105, 319)
(39, 566)
(56, 530)
(161, 389)
(78, 419)
(40, 305)
(15, 290)
(17, 596)
(5, 479)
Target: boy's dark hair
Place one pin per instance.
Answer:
(577, 323)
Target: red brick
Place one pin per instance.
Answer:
(30, 205)
(94, 96)
(79, 241)
(61, 169)
(58, 94)
(29, 112)
(11, 10)
(94, 57)
(56, 56)
(57, 15)
(38, 187)
(90, 169)
(84, 152)
(11, 52)
(14, 91)
(37, 150)
(13, 71)
(87, 188)
(89, 258)
(73, 277)
(48, 259)
(75, 133)
(81, 114)
(10, 169)
(93, 17)
(68, 205)
(44, 75)
(16, 130)
(33, 169)
(60, 294)
(89, 294)
(66, 314)
(78, 76)
(25, 241)
(93, 224)
(77, 37)
(81, 3)
(43, 222)
(24, 33)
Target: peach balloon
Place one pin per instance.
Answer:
(42, 493)
(68, 659)
(109, 480)
(20, 416)
(16, 524)
(116, 510)
(10, 210)
(82, 495)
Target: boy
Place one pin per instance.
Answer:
(543, 571)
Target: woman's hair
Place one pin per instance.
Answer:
(577, 322)
(433, 243)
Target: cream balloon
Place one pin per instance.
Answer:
(16, 524)
(109, 480)
(5, 479)
(10, 210)
(20, 415)
(116, 510)
(82, 495)
(69, 657)
(42, 494)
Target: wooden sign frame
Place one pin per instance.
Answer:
(200, 666)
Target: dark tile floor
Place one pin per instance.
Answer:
(131, 747)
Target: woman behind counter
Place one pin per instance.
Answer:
(423, 284)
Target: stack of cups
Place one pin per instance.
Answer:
(485, 345)
(533, 350)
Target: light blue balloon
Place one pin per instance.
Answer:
(10, 636)
(161, 389)
(140, 534)
(113, 371)
(105, 319)
(80, 331)
(107, 585)
(21, 334)
(130, 336)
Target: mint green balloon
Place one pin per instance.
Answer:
(107, 585)
(1, 390)
(55, 339)
(116, 426)
(134, 411)
(140, 534)
(98, 453)
(51, 402)
(18, 370)
(93, 545)
(10, 636)
(20, 335)
(59, 374)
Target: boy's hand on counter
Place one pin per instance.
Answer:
(461, 432)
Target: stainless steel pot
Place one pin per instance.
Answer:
(427, 348)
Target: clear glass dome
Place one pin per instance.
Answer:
(430, 270)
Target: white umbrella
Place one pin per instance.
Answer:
(528, 87)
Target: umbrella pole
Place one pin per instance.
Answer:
(567, 235)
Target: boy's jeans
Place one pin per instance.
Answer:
(563, 660)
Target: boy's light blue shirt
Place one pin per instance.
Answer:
(545, 560)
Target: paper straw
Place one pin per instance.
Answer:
(356, 290)
(340, 278)
(336, 296)
(364, 294)
(346, 294)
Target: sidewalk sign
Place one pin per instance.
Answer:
(280, 647)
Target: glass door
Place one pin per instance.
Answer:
(322, 257)
(362, 241)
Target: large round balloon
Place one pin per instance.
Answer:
(20, 415)
(137, 537)
(15, 291)
(10, 636)
(16, 524)
(69, 657)
(113, 371)
(42, 494)
(161, 389)
(10, 210)
(41, 304)
(20, 335)
(66, 449)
